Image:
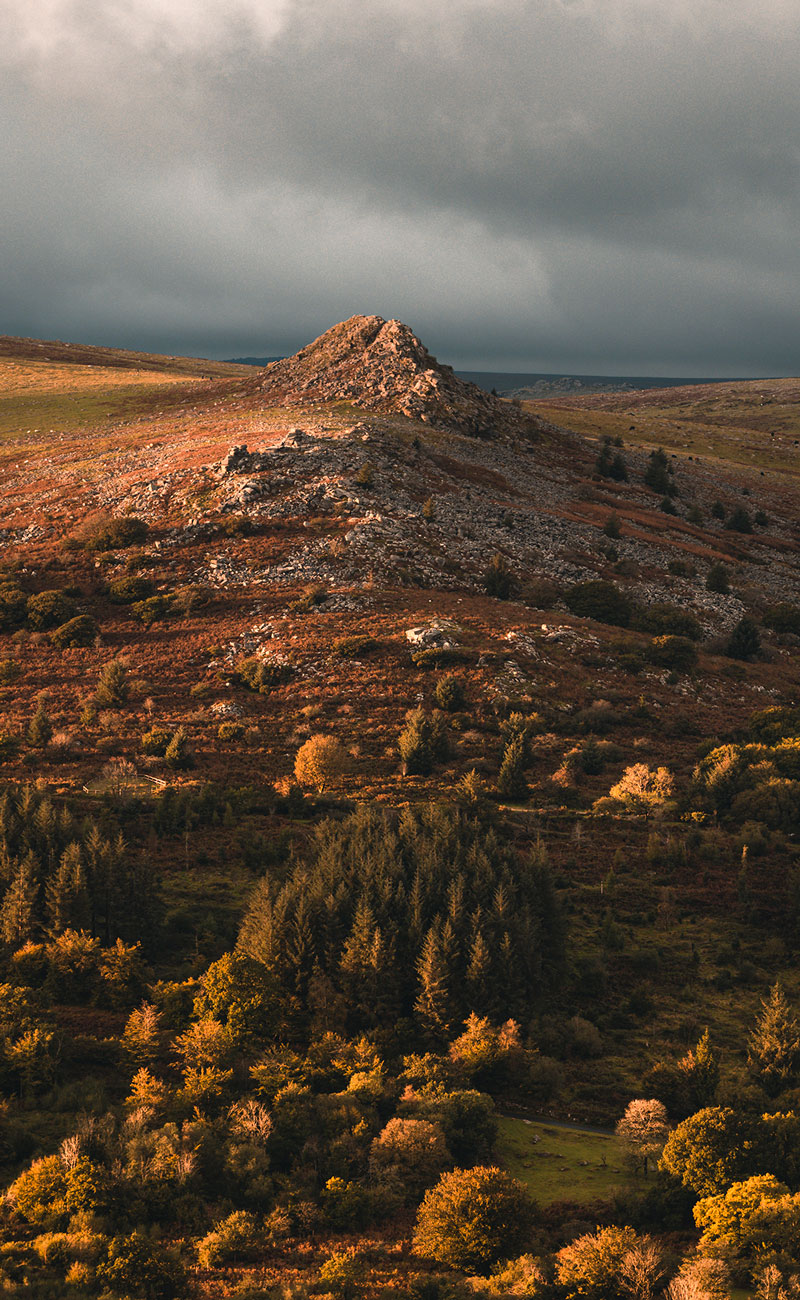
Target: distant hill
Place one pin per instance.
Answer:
(529, 387)
(251, 361)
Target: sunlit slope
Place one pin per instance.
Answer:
(51, 388)
(754, 424)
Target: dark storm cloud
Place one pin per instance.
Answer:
(566, 184)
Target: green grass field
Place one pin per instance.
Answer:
(561, 1164)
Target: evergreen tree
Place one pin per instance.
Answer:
(67, 895)
(744, 641)
(511, 783)
(40, 731)
(434, 1004)
(774, 1045)
(700, 1074)
(479, 972)
(415, 744)
(177, 754)
(17, 915)
(113, 687)
(657, 475)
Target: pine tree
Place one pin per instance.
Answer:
(433, 1005)
(40, 730)
(177, 754)
(414, 744)
(774, 1045)
(17, 915)
(700, 1074)
(113, 687)
(67, 895)
(511, 783)
(479, 974)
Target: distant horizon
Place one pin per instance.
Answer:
(161, 347)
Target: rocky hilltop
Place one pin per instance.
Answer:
(381, 365)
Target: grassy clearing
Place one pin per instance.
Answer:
(560, 1164)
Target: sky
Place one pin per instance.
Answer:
(571, 186)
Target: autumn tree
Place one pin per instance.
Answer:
(709, 1150)
(410, 1152)
(751, 1221)
(474, 1217)
(641, 789)
(643, 1130)
(320, 762)
(608, 1264)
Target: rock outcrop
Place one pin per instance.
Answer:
(382, 366)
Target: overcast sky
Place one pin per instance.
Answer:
(591, 186)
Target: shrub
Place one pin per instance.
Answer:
(353, 647)
(611, 527)
(108, 533)
(474, 1217)
(124, 591)
(541, 593)
(366, 475)
(436, 656)
(675, 652)
(664, 619)
(782, 618)
(310, 599)
(138, 1267)
(739, 521)
(718, 579)
(667, 507)
(187, 599)
(450, 693)
(744, 641)
(9, 742)
(233, 1238)
(38, 1193)
(341, 1273)
(152, 610)
(718, 510)
(611, 464)
(262, 675)
(609, 1263)
(9, 671)
(230, 731)
(13, 603)
(600, 600)
(498, 580)
(48, 609)
(79, 631)
(511, 783)
(320, 762)
(155, 741)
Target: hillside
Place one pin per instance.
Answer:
(202, 570)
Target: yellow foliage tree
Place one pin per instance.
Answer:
(320, 762)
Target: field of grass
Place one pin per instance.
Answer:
(753, 425)
(562, 1164)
